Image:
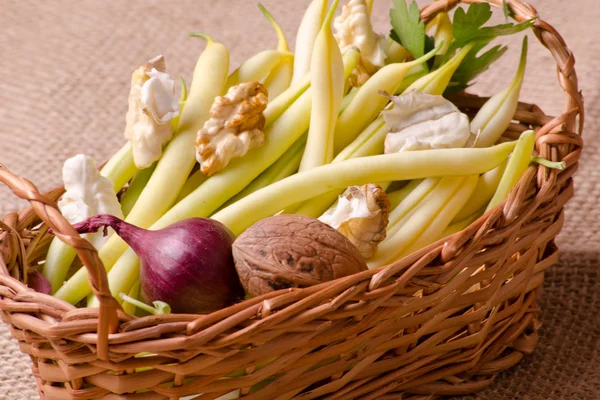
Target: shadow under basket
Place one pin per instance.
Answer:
(442, 321)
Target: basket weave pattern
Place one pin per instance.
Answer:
(442, 321)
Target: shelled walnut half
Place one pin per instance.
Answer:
(235, 126)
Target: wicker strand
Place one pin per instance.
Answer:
(48, 212)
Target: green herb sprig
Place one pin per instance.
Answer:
(409, 30)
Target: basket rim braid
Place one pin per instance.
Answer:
(364, 336)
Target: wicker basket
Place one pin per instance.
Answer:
(365, 336)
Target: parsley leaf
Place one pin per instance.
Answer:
(429, 45)
(394, 36)
(506, 10)
(465, 25)
(473, 65)
(407, 27)
(468, 26)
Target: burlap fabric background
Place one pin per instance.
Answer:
(64, 76)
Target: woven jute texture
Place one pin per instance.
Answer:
(63, 90)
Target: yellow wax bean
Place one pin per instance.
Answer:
(134, 294)
(369, 6)
(173, 168)
(309, 28)
(398, 242)
(381, 168)
(282, 132)
(516, 167)
(369, 143)
(285, 166)
(486, 187)
(137, 185)
(182, 99)
(369, 102)
(436, 82)
(256, 68)
(494, 117)
(412, 201)
(460, 225)
(327, 86)
(371, 140)
(120, 168)
(276, 107)
(443, 36)
(192, 183)
(280, 77)
(444, 217)
(396, 197)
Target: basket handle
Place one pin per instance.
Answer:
(548, 37)
(48, 212)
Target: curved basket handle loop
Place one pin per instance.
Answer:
(46, 209)
(549, 38)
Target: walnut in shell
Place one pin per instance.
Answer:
(292, 251)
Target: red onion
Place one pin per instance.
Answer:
(187, 265)
(38, 282)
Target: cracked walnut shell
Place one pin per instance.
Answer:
(361, 215)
